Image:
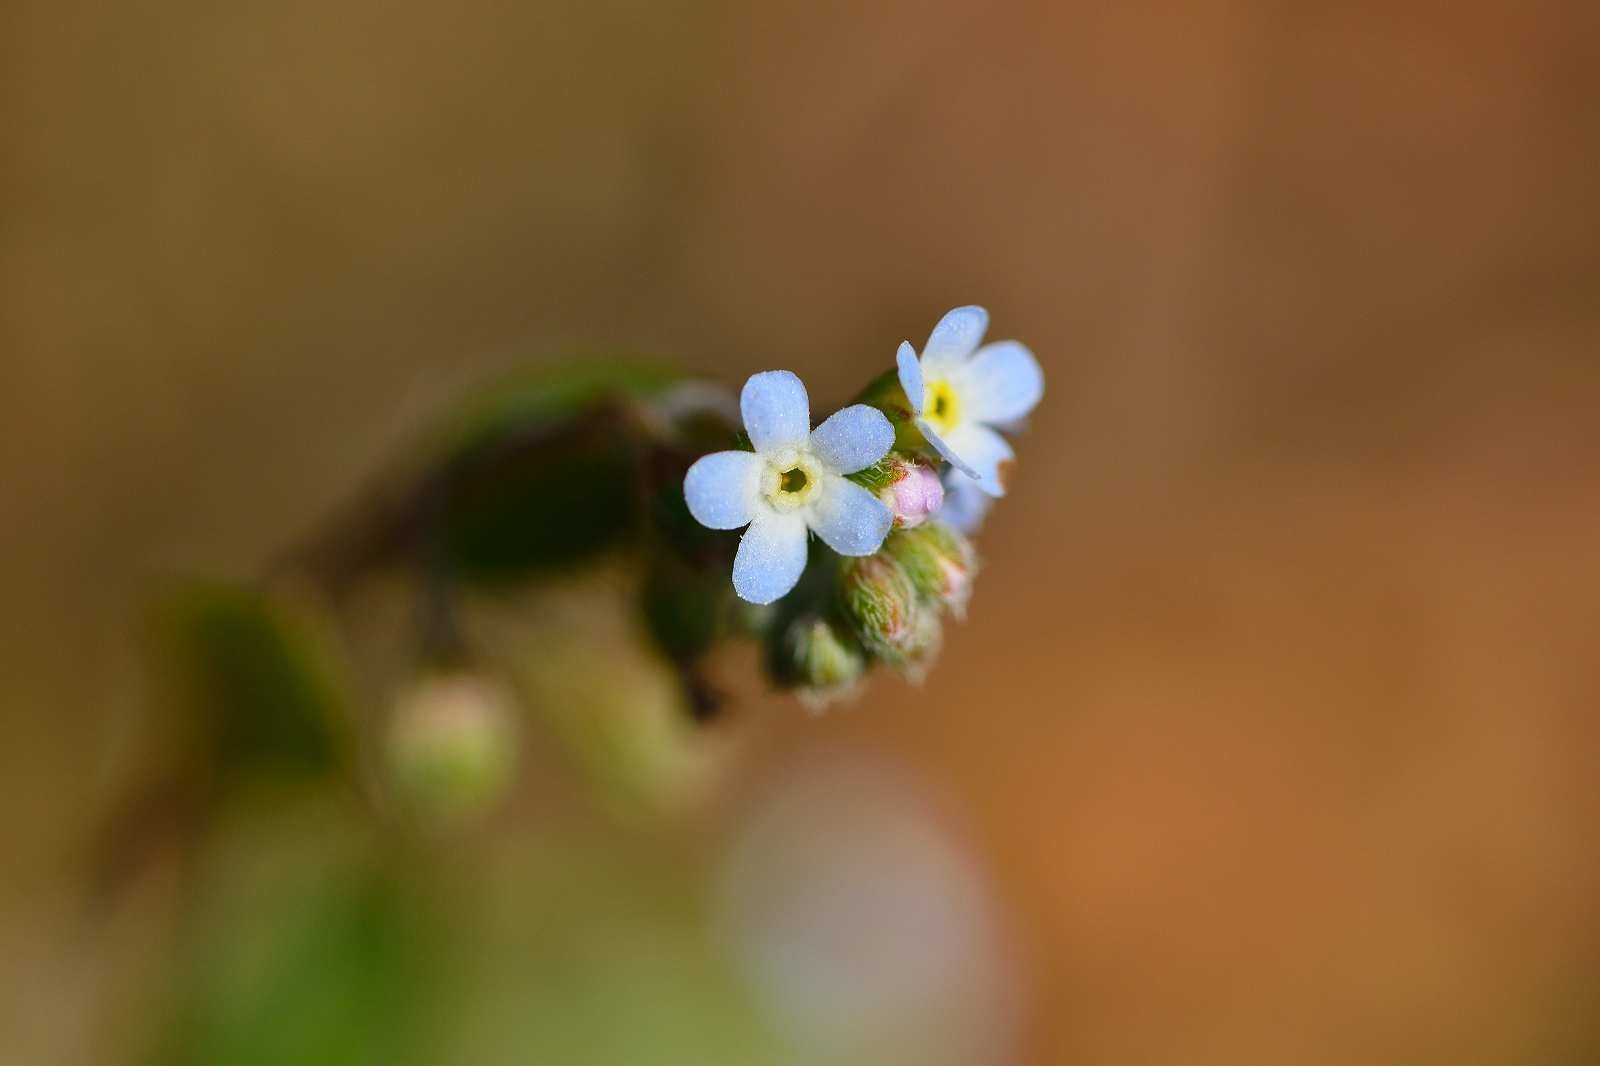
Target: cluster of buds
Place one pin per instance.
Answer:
(940, 563)
(897, 600)
(893, 485)
(889, 607)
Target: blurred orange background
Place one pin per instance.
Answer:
(1273, 729)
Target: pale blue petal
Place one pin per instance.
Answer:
(985, 451)
(957, 335)
(965, 504)
(1001, 384)
(950, 455)
(911, 376)
(853, 438)
(771, 557)
(776, 411)
(849, 519)
(723, 489)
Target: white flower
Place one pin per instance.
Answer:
(792, 482)
(965, 504)
(959, 392)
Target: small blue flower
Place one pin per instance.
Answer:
(959, 392)
(793, 482)
(965, 504)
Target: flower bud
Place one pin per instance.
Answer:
(927, 637)
(889, 617)
(913, 493)
(940, 563)
(452, 744)
(819, 660)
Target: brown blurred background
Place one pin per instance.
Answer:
(1273, 729)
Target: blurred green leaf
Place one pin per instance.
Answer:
(591, 954)
(542, 515)
(685, 607)
(303, 947)
(546, 394)
(255, 681)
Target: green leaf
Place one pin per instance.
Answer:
(303, 946)
(254, 679)
(543, 395)
(546, 513)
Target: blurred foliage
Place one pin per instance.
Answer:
(506, 529)
(333, 973)
(255, 686)
(320, 927)
(544, 469)
(542, 395)
(316, 937)
(583, 665)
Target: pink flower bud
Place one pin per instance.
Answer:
(914, 496)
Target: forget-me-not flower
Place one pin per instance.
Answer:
(965, 504)
(794, 481)
(959, 392)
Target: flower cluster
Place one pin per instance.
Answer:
(892, 484)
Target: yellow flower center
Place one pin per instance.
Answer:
(791, 479)
(940, 406)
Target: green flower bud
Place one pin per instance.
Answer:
(822, 662)
(922, 647)
(452, 745)
(892, 621)
(939, 561)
